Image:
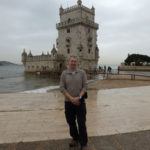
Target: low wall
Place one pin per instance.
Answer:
(127, 77)
(135, 68)
(126, 141)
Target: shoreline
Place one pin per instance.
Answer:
(111, 84)
(110, 81)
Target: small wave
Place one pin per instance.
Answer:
(50, 88)
(11, 77)
(93, 80)
(42, 90)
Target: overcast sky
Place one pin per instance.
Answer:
(124, 27)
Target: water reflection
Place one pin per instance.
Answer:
(14, 79)
(35, 81)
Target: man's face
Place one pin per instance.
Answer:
(73, 63)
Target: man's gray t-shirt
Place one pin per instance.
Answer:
(73, 82)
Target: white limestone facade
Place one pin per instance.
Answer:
(77, 36)
(43, 63)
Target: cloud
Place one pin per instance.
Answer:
(31, 24)
(124, 29)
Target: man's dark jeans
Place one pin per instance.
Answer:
(72, 113)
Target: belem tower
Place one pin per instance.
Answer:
(77, 36)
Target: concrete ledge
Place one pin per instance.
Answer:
(128, 77)
(135, 68)
(126, 141)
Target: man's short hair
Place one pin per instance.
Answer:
(73, 56)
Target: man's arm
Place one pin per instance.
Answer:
(82, 93)
(63, 87)
(74, 100)
(62, 83)
(84, 84)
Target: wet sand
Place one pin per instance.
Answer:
(111, 84)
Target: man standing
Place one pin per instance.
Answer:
(73, 84)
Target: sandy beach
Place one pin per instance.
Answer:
(111, 84)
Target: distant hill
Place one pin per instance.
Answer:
(6, 63)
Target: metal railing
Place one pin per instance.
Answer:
(127, 76)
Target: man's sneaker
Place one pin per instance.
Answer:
(84, 148)
(73, 143)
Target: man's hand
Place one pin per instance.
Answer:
(75, 101)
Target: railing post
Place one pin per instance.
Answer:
(132, 76)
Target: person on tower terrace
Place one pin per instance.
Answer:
(73, 84)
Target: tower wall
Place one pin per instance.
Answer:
(77, 35)
(76, 13)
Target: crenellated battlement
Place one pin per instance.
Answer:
(44, 57)
(76, 21)
(76, 7)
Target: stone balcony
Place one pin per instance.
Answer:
(76, 21)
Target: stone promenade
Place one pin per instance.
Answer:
(117, 119)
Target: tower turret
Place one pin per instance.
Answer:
(79, 2)
(93, 9)
(24, 56)
(61, 10)
(54, 52)
(30, 54)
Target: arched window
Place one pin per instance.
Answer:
(68, 30)
(80, 49)
(69, 20)
(68, 40)
(68, 51)
(90, 39)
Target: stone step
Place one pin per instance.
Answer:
(126, 141)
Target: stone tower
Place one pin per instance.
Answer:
(77, 35)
